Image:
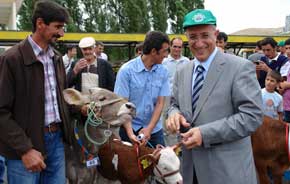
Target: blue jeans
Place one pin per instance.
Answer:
(55, 165)
(156, 138)
(2, 169)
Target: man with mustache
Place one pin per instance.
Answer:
(33, 113)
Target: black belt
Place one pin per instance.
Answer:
(52, 127)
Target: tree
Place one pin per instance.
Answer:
(76, 22)
(118, 16)
(159, 15)
(177, 9)
(25, 15)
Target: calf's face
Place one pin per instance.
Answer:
(168, 166)
(113, 109)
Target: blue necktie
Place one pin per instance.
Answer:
(198, 83)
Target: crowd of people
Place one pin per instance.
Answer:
(211, 104)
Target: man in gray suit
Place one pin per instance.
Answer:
(217, 120)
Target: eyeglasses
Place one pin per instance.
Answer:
(175, 46)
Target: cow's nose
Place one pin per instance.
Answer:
(130, 105)
(179, 182)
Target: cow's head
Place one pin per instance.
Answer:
(166, 164)
(113, 109)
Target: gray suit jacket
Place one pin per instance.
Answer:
(227, 112)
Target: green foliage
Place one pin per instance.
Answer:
(25, 15)
(118, 16)
(76, 18)
(177, 9)
(159, 15)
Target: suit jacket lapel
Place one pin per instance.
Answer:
(188, 89)
(213, 74)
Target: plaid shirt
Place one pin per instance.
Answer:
(51, 104)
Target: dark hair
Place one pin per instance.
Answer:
(222, 36)
(70, 47)
(154, 40)
(175, 38)
(49, 11)
(99, 43)
(139, 47)
(275, 74)
(269, 40)
(259, 44)
(287, 42)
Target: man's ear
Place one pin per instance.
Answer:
(74, 97)
(40, 24)
(216, 33)
(153, 51)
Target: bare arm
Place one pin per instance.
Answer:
(280, 115)
(155, 117)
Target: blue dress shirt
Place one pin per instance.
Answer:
(142, 87)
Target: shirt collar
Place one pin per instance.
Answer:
(141, 67)
(275, 58)
(206, 63)
(170, 58)
(38, 50)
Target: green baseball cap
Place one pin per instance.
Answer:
(199, 17)
(281, 43)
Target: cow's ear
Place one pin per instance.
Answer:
(177, 148)
(74, 97)
(147, 160)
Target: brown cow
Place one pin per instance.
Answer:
(270, 151)
(109, 111)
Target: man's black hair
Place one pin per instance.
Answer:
(70, 47)
(49, 11)
(287, 42)
(154, 40)
(269, 40)
(259, 44)
(222, 36)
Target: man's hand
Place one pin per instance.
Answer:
(130, 133)
(33, 161)
(82, 63)
(147, 133)
(192, 138)
(133, 138)
(281, 88)
(263, 66)
(174, 121)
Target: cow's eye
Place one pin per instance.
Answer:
(165, 169)
(102, 98)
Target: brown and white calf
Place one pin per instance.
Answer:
(133, 164)
(270, 150)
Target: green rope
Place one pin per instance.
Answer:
(95, 121)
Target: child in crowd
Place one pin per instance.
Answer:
(272, 101)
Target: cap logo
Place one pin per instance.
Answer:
(198, 17)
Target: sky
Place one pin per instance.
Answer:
(235, 15)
